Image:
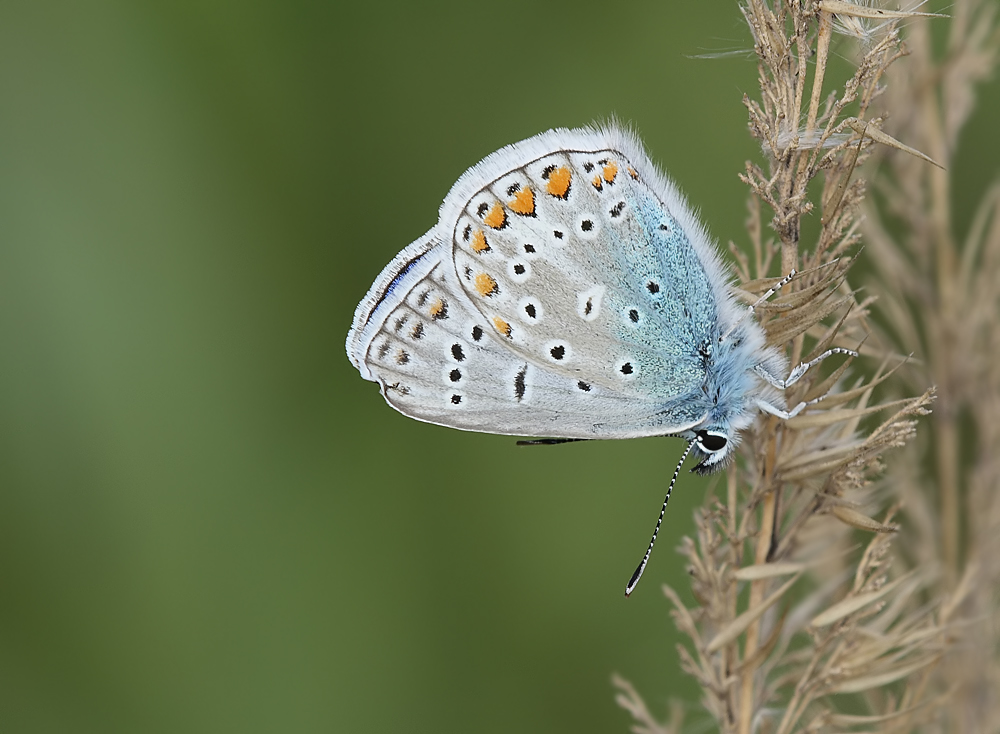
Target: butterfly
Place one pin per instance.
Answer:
(568, 292)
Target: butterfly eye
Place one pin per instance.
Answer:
(711, 441)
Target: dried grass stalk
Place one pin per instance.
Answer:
(794, 625)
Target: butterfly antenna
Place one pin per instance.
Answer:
(634, 581)
(770, 292)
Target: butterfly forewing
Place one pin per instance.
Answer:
(567, 257)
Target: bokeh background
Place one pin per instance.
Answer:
(208, 521)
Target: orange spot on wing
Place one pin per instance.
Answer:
(633, 173)
(437, 309)
(559, 181)
(485, 284)
(597, 183)
(610, 171)
(523, 203)
(496, 217)
(479, 244)
(502, 326)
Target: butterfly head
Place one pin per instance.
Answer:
(716, 446)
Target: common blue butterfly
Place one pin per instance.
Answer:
(568, 292)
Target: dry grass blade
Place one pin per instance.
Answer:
(831, 417)
(845, 720)
(864, 11)
(881, 679)
(853, 604)
(862, 522)
(767, 571)
(739, 625)
(880, 137)
(630, 700)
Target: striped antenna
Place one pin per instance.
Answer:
(634, 581)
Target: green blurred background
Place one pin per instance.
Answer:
(208, 521)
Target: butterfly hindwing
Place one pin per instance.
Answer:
(438, 360)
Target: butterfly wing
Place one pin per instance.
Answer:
(438, 360)
(566, 291)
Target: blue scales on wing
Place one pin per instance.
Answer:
(591, 277)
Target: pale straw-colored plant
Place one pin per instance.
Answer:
(812, 609)
(942, 300)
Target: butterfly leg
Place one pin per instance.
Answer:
(786, 414)
(793, 377)
(750, 309)
(796, 374)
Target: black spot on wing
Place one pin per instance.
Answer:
(519, 385)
